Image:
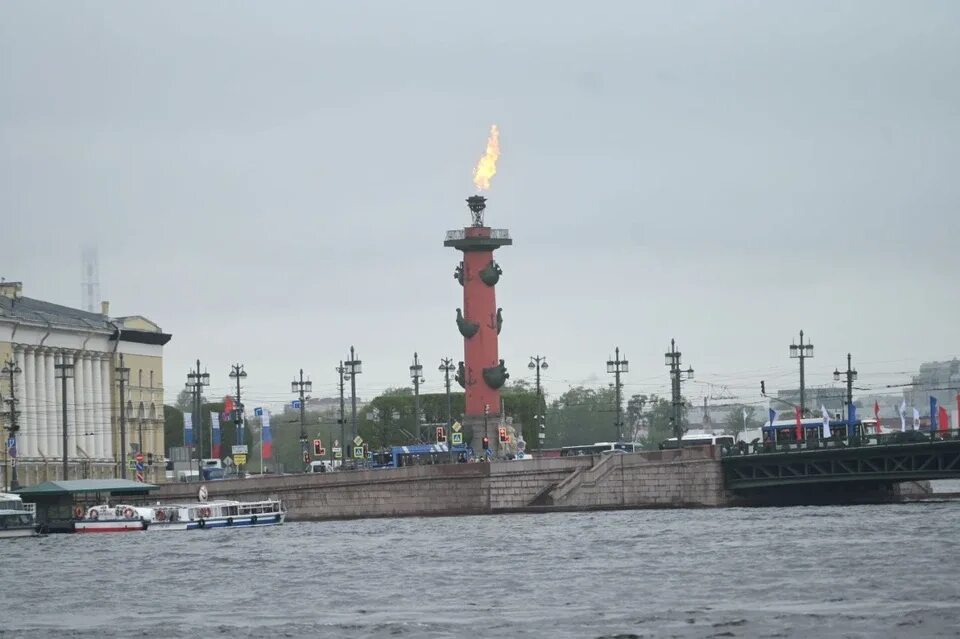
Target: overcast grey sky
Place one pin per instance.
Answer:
(271, 182)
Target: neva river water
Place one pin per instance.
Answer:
(873, 571)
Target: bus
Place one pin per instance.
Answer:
(699, 439)
(600, 448)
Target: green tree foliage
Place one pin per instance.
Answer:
(740, 419)
(581, 416)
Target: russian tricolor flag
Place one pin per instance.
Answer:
(265, 437)
(188, 429)
(215, 430)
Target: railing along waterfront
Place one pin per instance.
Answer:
(899, 438)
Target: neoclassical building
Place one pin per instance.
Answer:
(36, 336)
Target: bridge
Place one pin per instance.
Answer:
(823, 471)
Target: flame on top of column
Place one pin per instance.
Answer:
(487, 166)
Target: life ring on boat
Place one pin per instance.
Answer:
(229, 521)
(253, 519)
(94, 514)
(160, 515)
(78, 512)
(128, 513)
(276, 518)
(201, 523)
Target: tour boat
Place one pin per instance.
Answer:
(16, 518)
(106, 518)
(221, 513)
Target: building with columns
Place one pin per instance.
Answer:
(37, 336)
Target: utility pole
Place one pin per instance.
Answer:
(123, 377)
(196, 381)
(303, 387)
(802, 352)
(672, 359)
(618, 366)
(416, 374)
(237, 373)
(354, 368)
(850, 374)
(446, 366)
(538, 363)
(64, 371)
(11, 369)
(343, 422)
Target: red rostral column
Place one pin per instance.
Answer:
(481, 373)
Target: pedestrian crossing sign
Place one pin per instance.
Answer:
(358, 452)
(456, 438)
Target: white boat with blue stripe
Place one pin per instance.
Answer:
(219, 513)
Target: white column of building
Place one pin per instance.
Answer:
(70, 399)
(98, 411)
(56, 451)
(53, 405)
(88, 399)
(107, 403)
(79, 421)
(40, 368)
(28, 410)
(20, 382)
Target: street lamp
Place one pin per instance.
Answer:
(446, 367)
(801, 351)
(354, 367)
(64, 371)
(237, 373)
(196, 381)
(123, 378)
(10, 369)
(618, 366)
(539, 363)
(850, 375)
(672, 360)
(416, 374)
(302, 387)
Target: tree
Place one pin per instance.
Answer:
(581, 416)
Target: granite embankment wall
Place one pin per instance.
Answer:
(691, 477)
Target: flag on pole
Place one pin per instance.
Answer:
(933, 413)
(826, 421)
(227, 409)
(215, 433)
(773, 415)
(943, 419)
(916, 419)
(876, 414)
(903, 416)
(266, 436)
(799, 432)
(188, 429)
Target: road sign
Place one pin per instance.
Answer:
(521, 445)
(239, 449)
(358, 440)
(258, 411)
(337, 452)
(295, 403)
(456, 438)
(239, 459)
(139, 458)
(456, 427)
(358, 452)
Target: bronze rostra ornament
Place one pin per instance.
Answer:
(458, 273)
(467, 328)
(496, 376)
(491, 273)
(461, 376)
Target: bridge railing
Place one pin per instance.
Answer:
(873, 439)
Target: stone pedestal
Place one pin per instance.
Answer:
(473, 426)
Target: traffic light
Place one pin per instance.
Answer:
(306, 457)
(503, 434)
(441, 435)
(486, 442)
(318, 448)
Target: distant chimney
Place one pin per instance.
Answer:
(13, 290)
(105, 308)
